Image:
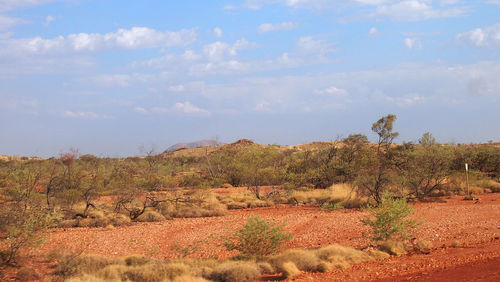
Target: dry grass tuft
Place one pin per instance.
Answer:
(289, 270)
(395, 248)
(337, 195)
(135, 260)
(336, 252)
(150, 216)
(265, 268)
(93, 263)
(27, 274)
(377, 254)
(89, 278)
(423, 246)
(235, 272)
(303, 259)
(244, 200)
(119, 220)
(155, 272)
(189, 278)
(68, 223)
(111, 272)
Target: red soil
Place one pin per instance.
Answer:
(476, 226)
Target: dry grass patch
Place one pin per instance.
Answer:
(347, 254)
(236, 272)
(289, 270)
(396, 248)
(135, 260)
(150, 216)
(304, 260)
(244, 200)
(292, 262)
(335, 197)
(423, 246)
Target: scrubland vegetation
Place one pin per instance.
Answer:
(75, 190)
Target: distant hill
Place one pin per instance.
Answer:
(191, 145)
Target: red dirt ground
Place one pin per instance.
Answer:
(475, 225)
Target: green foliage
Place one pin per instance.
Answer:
(389, 219)
(257, 238)
(22, 228)
(424, 169)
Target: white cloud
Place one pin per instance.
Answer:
(412, 43)
(185, 108)
(134, 38)
(262, 107)
(311, 45)
(488, 37)
(48, 20)
(177, 88)
(122, 80)
(189, 108)
(407, 100)
(267, 27)
(221, 58)
(7, 5)
(19, 105)
(84, 115)
(218, 32)
(218, 50)
(414, 10)
(399, 10)
(333, 91)
(20, 65)
(373, 31)
(7, 22)
(141, 110)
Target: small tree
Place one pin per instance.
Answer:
(389, 219)
(257, 238)
(377, 176)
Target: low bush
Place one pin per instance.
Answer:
(257, 238)
(389, 219)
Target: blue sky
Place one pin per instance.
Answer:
(109, 76)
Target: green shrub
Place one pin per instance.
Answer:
(388, 220)
(257, 238)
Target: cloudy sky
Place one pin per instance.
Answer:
(110, 76)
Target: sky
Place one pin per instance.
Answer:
(115, 77)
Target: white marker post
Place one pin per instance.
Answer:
(467, 177)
